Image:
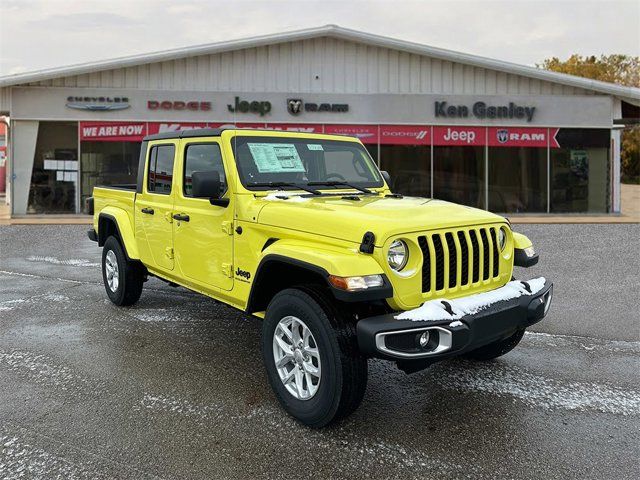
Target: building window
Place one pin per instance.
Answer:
(203, 158)
(459, 176)
(107, 163)
(409, 167)
(160, 174)
(580, 171)
(54, 177)
(517, 179)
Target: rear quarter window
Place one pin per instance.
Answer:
(160, 169)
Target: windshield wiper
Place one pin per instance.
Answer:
(284, 184)
(336, 183)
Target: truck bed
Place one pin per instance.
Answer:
(118, 197)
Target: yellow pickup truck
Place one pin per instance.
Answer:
(303, 232)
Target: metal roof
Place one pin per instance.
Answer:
(333, 31)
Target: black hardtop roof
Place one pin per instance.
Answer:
(211, 132)
(196, 132)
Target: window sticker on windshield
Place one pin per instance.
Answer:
(313, 146)
(276, 157)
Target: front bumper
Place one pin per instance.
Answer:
(386, 337)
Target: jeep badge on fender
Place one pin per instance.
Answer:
(338, 268)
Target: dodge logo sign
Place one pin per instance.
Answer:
(178, 105)
(294, 106)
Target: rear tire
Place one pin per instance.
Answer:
(122, 278)
(342, 370)
(496, 349)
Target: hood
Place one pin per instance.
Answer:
(336, 217)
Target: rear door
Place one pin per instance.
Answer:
(203, 240)
(154, 206)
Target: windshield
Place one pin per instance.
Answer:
(274, 160)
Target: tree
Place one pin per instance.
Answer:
(620, 69)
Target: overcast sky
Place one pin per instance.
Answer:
(37, 34)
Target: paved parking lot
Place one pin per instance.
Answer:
(174, 386)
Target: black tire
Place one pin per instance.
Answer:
(130, 275)
(343, 368)
(496, 349)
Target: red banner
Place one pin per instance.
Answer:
(522, 137)
(112, 131)
(296, 127)
(405, 135)
(370, 134)
(162, 127)
(459, 136)
(366, 133)
(237, 125)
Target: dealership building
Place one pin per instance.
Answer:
(448, 125)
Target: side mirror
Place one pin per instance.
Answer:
(387, 177)
(207, 185)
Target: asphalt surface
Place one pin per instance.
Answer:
(174, 387)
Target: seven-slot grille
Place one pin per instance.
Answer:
(458, 258)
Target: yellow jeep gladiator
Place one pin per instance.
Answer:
(303, 232)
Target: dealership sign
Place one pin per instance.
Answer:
(522, 137)
(483, 111)
(368, 134)
(178, 105)
(295, 106)
(250, 106)
(97, 103)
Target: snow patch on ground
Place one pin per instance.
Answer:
(283, 196)
(434, 310)
(585, 343)
(41, 370)
(180, 406)
(72, 262)
(538, 391)
(52, 297)
(10, 304)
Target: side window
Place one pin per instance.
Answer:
(202, 157)
(160, 172)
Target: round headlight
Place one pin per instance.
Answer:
(397, 255)
(502, 238)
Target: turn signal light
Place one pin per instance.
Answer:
(356, 283)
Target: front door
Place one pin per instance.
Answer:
(203, 239)
(154, 208)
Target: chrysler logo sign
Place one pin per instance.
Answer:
(98, 104)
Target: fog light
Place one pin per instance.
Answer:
(547, 301)
(424, 339)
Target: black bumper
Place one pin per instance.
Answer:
(92, 235)
(386, 337)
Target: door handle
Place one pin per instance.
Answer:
(148, 211)
(181, 217)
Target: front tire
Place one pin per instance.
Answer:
(496, 349)
(122, 278)
(311, 356)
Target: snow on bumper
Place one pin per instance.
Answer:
(443, 309)
(445, 328)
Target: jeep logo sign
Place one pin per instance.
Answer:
(253, 106)
(482, 110)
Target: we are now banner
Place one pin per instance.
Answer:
(369, 134)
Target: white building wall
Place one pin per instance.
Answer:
(316, 65)
(5, 100)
